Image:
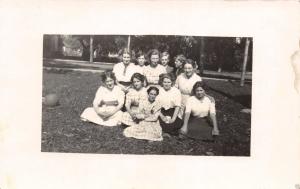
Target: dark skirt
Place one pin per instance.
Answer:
(172, 128)
(199, 128)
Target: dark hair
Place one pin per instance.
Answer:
(181, 58)
(138, 76)
(190, 61)
(166, 75)
(153, 52)
(197, 85)
(139, 54)
(108, 74)
(153, 88)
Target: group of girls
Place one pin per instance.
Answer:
(154, 100)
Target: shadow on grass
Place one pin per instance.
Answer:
(238, 95)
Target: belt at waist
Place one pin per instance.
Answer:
(126, 83)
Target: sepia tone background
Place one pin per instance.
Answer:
(274, 161)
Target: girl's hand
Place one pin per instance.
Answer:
(183, 130)
(171, 120)
(165, 119)
(133, 115)
(140, 116)
(215, 132)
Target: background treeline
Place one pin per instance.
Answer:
(211, 53)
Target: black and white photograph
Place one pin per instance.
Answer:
(147, 94)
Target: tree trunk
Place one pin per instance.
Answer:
(201, 55)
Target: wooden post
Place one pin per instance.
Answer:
(245, 62)
(128, 42)
(91, 49)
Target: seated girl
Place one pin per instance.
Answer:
(109, 100)
(147, 126)
(199, 108)
(135, 95)
(170, 99)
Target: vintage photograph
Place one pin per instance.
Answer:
(147, 94)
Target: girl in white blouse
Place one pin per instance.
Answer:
(199, 108)
(152, 71)
(186, 80)
(124, 70)
(140, 62)
(109, 100)
(170, 100)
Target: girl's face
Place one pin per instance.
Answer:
(200, 92)
(141, 60)
(126, 58)
(152, 95)
(167, 84)
(178, 64)
(154, 60)
(137, 84)
(109, 83)
(188, 70)
(164, 60)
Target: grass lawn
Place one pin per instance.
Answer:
(63, 131)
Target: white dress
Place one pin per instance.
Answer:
(106, 101)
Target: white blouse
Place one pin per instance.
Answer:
(152, 74)
(139, 69)
(185, 85)
(200, 108)
(169, 99)
(123, 73)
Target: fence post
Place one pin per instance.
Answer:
(245, 62)
(128, 42)
(91, 49)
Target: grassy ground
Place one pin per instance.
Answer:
(63, 131)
